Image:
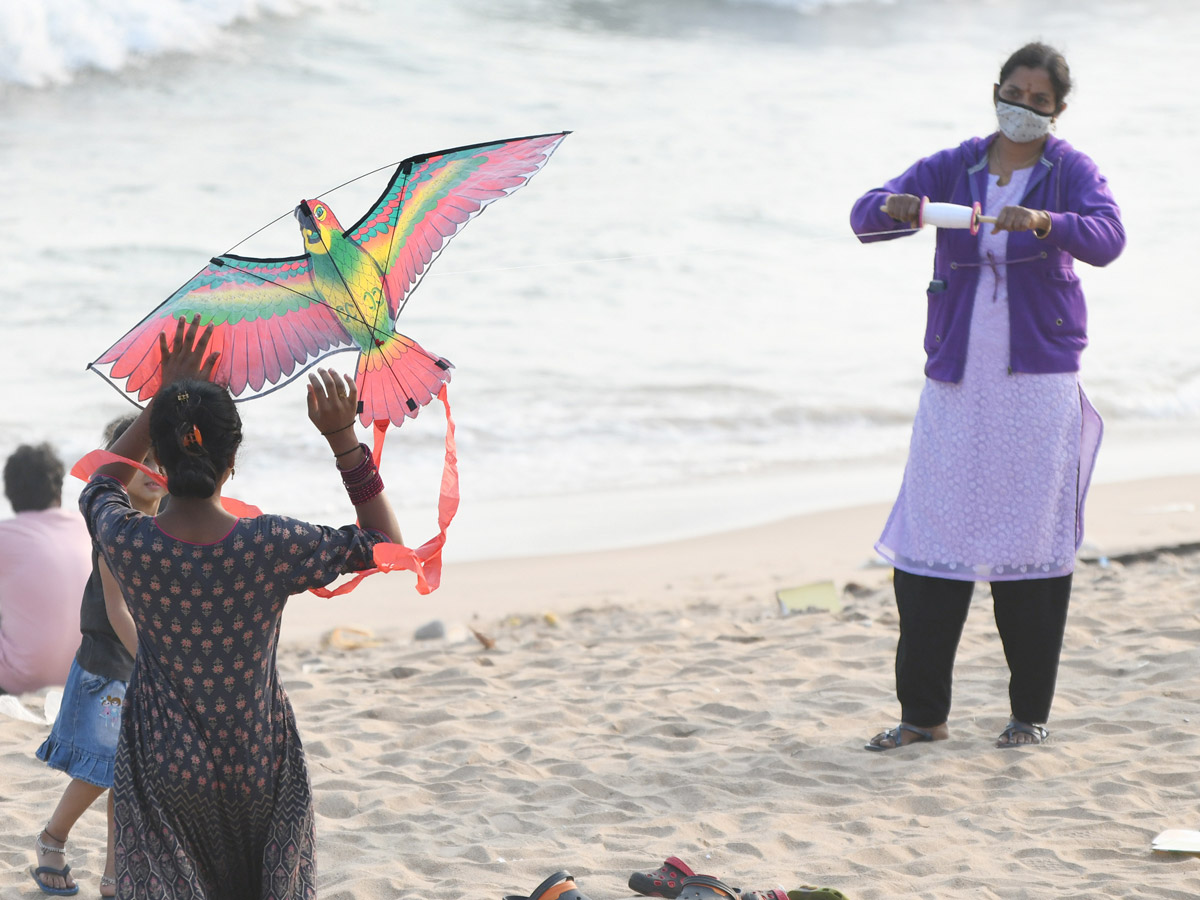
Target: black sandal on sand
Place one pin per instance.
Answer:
(1014, 727)
(559, 886)
(663, 881)
(705, 887)
(894, 735)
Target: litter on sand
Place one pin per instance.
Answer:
(1177, 840)
(819, 596)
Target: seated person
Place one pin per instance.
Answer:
(45, 561)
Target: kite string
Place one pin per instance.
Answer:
(605, 259)
(585, 261)
(361, 319)
(283, 216)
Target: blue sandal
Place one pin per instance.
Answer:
(1037, 732)
(62, 873)
(37, 874)
(894, 735)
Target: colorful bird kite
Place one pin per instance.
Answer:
(275, 318)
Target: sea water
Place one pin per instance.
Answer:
(671, 329)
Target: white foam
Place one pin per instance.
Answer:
(811, 6)
(44, 42)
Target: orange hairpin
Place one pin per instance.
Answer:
(193, 437)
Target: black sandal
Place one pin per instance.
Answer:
(566, 889)
(705, 887)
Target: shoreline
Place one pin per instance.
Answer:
(669, 709)
(1124, 517)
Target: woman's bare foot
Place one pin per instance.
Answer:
(108, 885)
(904, 734)
(51, 855)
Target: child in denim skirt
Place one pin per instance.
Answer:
(83, 742)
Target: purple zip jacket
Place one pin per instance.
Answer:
(1047, 312)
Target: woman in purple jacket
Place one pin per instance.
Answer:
(1004, 438)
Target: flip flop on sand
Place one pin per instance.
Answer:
(559, 886)
(896, 737)
(37, 874)
(663, 881)
(45, 849)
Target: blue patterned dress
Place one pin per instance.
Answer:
(212, 794)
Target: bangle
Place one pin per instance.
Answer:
(361, 471)
(348, 452)
(1039, 233)
(336, 430)
(362, 483)
(369, 490)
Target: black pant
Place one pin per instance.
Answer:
(1030, 615)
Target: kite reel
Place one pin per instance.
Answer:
(950, 215)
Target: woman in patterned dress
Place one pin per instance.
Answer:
(212, 797)
(1004, 438)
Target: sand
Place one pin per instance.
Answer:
(652, 702)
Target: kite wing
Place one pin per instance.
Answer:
(269, 326)
(430, 198)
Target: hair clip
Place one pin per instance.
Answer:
(181, 397)
(192, 437)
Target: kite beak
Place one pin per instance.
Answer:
(307, 224)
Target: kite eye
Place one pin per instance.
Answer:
(319, 212)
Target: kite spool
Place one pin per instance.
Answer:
(951, 215)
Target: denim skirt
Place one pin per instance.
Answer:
(83, 742)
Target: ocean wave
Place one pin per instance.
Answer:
(810, 6)
(47, 42)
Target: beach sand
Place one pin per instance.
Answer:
(644, 703)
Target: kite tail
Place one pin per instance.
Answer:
(396, 378)
(425, 561)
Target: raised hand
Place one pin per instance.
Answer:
(186, 356)
(332, 402)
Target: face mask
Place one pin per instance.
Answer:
(1020, 123)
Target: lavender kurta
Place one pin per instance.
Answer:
(999, 463)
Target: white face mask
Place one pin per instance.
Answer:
(1020, 123)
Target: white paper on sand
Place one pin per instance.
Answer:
(53, 702)
(1177, 840)
(13, 708)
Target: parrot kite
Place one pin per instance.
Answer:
(275, 318)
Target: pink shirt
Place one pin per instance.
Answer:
(45, 561)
